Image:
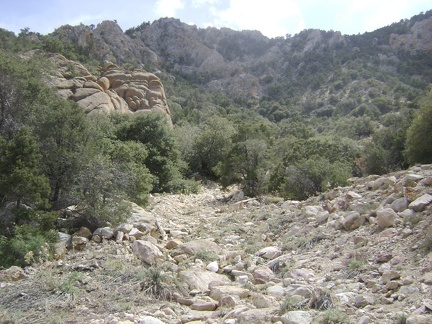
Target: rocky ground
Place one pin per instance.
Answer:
(358, 254)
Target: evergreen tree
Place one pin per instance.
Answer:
(419, 135)
(20, 176)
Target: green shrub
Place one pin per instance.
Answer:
(26, 245)
(333, 316)
(206, 256)
(158, 285)
(419, 135)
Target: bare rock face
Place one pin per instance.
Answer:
(115, 90)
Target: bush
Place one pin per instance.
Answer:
(25, 246)
(309, 177)
(158, 285)
(419, 135)
(333, 316)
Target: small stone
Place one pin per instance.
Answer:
(263, 301)
(427, 278)
(262, 275)
(83, 232)
(172, 244)
(392, 285)
(365, 320)
(217, 292)
(389, 275)
(104, 232)
(242, 279)
(119, 236)
(353, 221)
(361, 301)
(79, 243)
(382, 258)
(228, 301)
(296, 317)
(270, 252)
(125, 228)
(204, 306)
(360, 241)
(149, 320)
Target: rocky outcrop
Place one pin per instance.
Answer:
(115, 89)
(418, 38)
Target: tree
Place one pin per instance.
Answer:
(212, 142)
(20, 176)
(153, 130)
(65, 136)
(419, 135)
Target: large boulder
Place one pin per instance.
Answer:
(200, 279)
(386, 217)
(147, 252)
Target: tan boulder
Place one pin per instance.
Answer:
(262, 275)
(386, 217)
(217, 292)
(104, 83)
(147, 252)
(200, 279)
(14, 273)
(353, 221)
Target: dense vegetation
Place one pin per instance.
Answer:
(330, 114)
(53, 156)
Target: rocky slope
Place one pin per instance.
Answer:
(358, 254)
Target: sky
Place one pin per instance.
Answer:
(273, 18)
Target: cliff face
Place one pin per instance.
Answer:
(115, 90)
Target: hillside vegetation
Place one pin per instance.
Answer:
(289, 117)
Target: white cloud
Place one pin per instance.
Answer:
(200, 3)
(369, 15)
(168, 8)
(272, 17)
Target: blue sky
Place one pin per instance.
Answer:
(271, 17)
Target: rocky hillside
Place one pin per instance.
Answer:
(324, 66)
(357, 254)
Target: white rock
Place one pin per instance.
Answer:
(125, 228)
(200, 279)
(150, 320)
(213, 266)
(420, 203)
(270, 252)
(104, 232)
(296, 317)
(277, 290)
